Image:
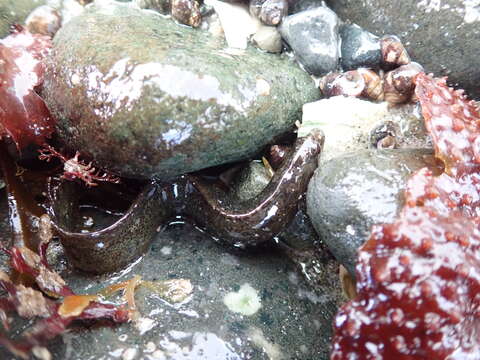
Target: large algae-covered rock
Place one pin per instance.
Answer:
(146, 97)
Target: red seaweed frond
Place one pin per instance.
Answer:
(55, 316)
(23, 114)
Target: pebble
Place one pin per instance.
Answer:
(129, 354)
(313, 37)
(251, 181)
(268, 38)
(237, 23)
(43, 20)
(359, 48)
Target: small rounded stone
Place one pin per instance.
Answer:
(44, 20)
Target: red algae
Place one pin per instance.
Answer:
(418, 279)
(54, 316)
(23, 114)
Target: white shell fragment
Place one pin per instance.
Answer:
(263, 87)
(238, 25)
(348, 122)
(69, 10)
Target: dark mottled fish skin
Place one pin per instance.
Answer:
(115, 246)
(261, 218)
(240, 224)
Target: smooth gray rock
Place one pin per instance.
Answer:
(155, 99)
(443, 36)
(349, 194)
(313, 37)
(251, 181)
(359, 48)
(15, 12)
(302, 5)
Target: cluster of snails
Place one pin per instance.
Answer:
(186, 12)
(189, 12)
(393, 83)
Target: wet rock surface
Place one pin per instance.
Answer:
(443, 36)
(351, 124)
(154, 98)
(302, 5)
(251, 181)
(293, 322)
(359, 48)
(15, 12)
(350, 193)
(313, 37)
(162, 6)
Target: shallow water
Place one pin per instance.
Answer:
(293, 321)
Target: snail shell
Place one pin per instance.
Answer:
(187, 12)
(350, 83)
(398, 86)
(273, 11)
(270, 12)
(393, 52)
(373, 84)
